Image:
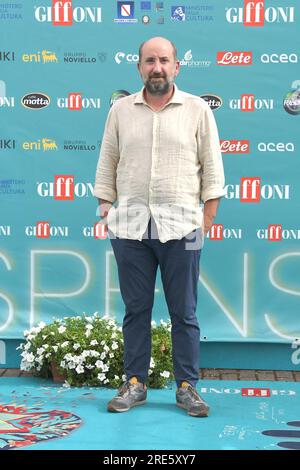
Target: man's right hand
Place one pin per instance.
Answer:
(104, 207)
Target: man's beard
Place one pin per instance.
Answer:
(158, 87)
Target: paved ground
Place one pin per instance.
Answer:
(211, 374)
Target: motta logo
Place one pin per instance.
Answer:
(234, 58)
(35, 101)
(250, 189)
(248, 103)
(218, 232)
(235, 146)
(62, 13)
(254, 13)
(43, 229)
(213, 101)
(64, 188)
(276, 233)
(75, 102)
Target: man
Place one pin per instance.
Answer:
(160, 157)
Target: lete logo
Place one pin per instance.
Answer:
(234, 58)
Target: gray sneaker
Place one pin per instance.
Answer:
(189, 399)
(132, 393)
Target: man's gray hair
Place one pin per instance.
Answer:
(172, 44)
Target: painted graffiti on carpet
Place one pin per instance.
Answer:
(23, 426)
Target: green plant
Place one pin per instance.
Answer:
(88, 350)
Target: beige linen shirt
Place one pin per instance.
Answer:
(159, 163)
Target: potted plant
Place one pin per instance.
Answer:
(88, 351)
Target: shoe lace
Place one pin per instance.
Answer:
(194, 393)
(124, 389)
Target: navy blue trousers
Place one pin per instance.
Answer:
(137, 263)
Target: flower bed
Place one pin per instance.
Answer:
(88, 350)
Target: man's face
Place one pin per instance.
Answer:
(158, 67)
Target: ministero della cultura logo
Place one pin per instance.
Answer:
(66, 13)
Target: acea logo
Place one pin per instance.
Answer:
(291, 102)
(254, 13)
(35, 101)
(62, 13)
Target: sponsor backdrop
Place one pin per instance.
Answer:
(63, 64)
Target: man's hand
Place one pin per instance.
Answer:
(104, 207)
(210, 212)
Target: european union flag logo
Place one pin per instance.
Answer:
(145, 5)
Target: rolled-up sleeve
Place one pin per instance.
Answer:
(210, 157)
(105, 180)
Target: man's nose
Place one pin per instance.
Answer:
(157, 67)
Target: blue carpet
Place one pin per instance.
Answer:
(37, 414)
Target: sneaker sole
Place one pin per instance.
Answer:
(203, 414)
(116, 410)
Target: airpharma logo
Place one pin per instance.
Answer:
(125, 13)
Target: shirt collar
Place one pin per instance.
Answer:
(177, 97)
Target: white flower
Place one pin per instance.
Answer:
(116, 377)
(111, 355)
(66, 384)
(76, 346)
(152, 363)
(41, 325)
(79, 369)
(114, 345)
(89, 327)
(64, 344)
(106, 348)
(114, 335)
(101, 377)
(106, 381)
(29, 357)
(63, 364)
(94, 342)
(163, 323)
(124, 377)
(153, 323)
(150, 372)
(102, 342)
(103, 355)
(61, 329)
(165, 374)
(99, 364)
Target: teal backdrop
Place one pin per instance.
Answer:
(62, 64)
